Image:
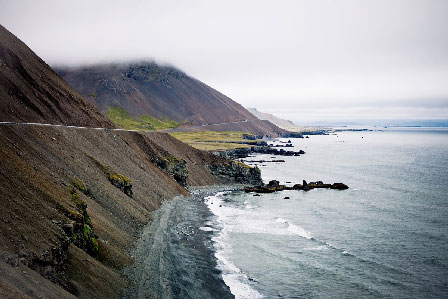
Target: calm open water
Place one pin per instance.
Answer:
(386, 236)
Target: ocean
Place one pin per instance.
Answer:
(386, 236)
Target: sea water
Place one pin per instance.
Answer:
(386, 236)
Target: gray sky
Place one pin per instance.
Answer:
(302, 60)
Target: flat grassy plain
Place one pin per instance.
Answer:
(214, 141)
(205, 140)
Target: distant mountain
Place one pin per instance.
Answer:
(281, 123)
(384, 123)
(146, 88)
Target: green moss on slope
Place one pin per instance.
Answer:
(144, 123)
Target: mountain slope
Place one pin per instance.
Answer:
(31, 91)
(161, 91)
(73, 201)
(283, 123)
(280, 122)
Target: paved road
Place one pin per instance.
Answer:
(109, 129)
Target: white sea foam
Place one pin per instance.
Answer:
(239, 289)
(280, 220)
(346, 253)
(316, 248)
(233, 219)
(297, 230)
(294, 229)
(233, 276)
(250, 207)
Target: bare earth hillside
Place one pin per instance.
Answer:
(31, 91)
(73, 201)
(162, 91)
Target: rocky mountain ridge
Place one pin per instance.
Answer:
(163, 92)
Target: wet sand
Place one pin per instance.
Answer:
(174, 258)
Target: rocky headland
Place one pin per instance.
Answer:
(241, 153)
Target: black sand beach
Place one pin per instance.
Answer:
(173, 257)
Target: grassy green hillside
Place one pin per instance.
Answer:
(144, 123)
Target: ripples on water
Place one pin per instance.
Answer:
(385, 236)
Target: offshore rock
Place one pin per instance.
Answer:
(240, 153)
(271, 187)
(273, 151)
(274, 186)
(273, 183)
(339, 186)
(292, 135)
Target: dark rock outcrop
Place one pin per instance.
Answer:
(273, 183)
(237, 172)
(339, 186)
(240, 153)
(316, 132)
(292, 135)
(175, 167)
(281, 145)
(271, 187)
(265, 161)
(118, 180)
(80, 229)
(274, 186)
(273, 151)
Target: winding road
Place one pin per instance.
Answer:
(108, 129)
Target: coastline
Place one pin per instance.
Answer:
(174, 256)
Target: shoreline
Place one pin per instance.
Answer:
(174, 256)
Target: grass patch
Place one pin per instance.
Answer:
(214, 141)
(143, 123)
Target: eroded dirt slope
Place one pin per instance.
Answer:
(31, 91)
(73, 201)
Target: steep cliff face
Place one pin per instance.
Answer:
(161, 91)
(73, 200)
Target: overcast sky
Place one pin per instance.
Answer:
(302, 60)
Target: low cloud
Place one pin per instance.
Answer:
(328, 53)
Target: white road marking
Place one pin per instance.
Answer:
(110, 129)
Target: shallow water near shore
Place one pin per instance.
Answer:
(386, 236)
